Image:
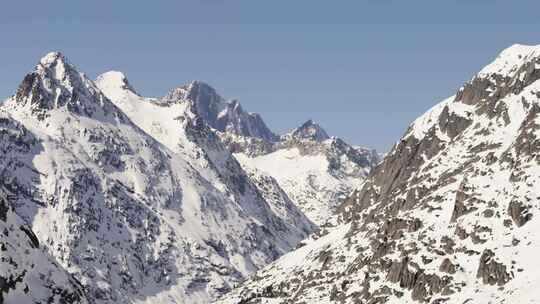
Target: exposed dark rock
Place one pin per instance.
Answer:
(474, 91)
(422, 285)
(418, 176)
(490, 271)
(448, 244)
(488, 213)
(4, 208)
(452, 124)
(460, 208)
(309, 130)
(33, 238)
(224, 116)
(488, 90)
(461, 233)
(519, 213)
(447, 266)
(395, 227)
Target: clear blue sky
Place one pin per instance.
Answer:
(363, 69)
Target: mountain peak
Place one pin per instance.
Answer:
(451, 213)
(196, 91)
(201, 91)
(219, 114)
(199, 84)
(51, 58)
(114, 83)
(511, 59)
(55, 65)
(309, 130)
(55, 83)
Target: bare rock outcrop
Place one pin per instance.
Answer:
(491, 271)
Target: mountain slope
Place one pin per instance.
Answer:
(317, 173)
(27, 273)
(308, 130)
(450, 215)
(179, 125)
(131, 219)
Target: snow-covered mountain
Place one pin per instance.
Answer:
(315, 171)
(180, 126)
(28, 274)
(451, 215)
(224, 116)
(308, 130)
(137, 199)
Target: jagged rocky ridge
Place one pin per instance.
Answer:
(130, 217)
(315, 171)
(449, 216)
(224, 116)
(309, 130)
(317, 174)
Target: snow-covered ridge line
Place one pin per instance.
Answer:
(509, 60)
(511, 70)
(141, 203)
(451, 215)
(317, 192)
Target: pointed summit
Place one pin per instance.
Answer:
(52, 58)
(206, 102)
(509, 61)
(56, 67)
(56, 84)
(222, 115)
(309, 130)
(197, 91)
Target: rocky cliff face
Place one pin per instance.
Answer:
(131, 216)
(449, 216)
(315, 171)
(179, 125)
(224, 116)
